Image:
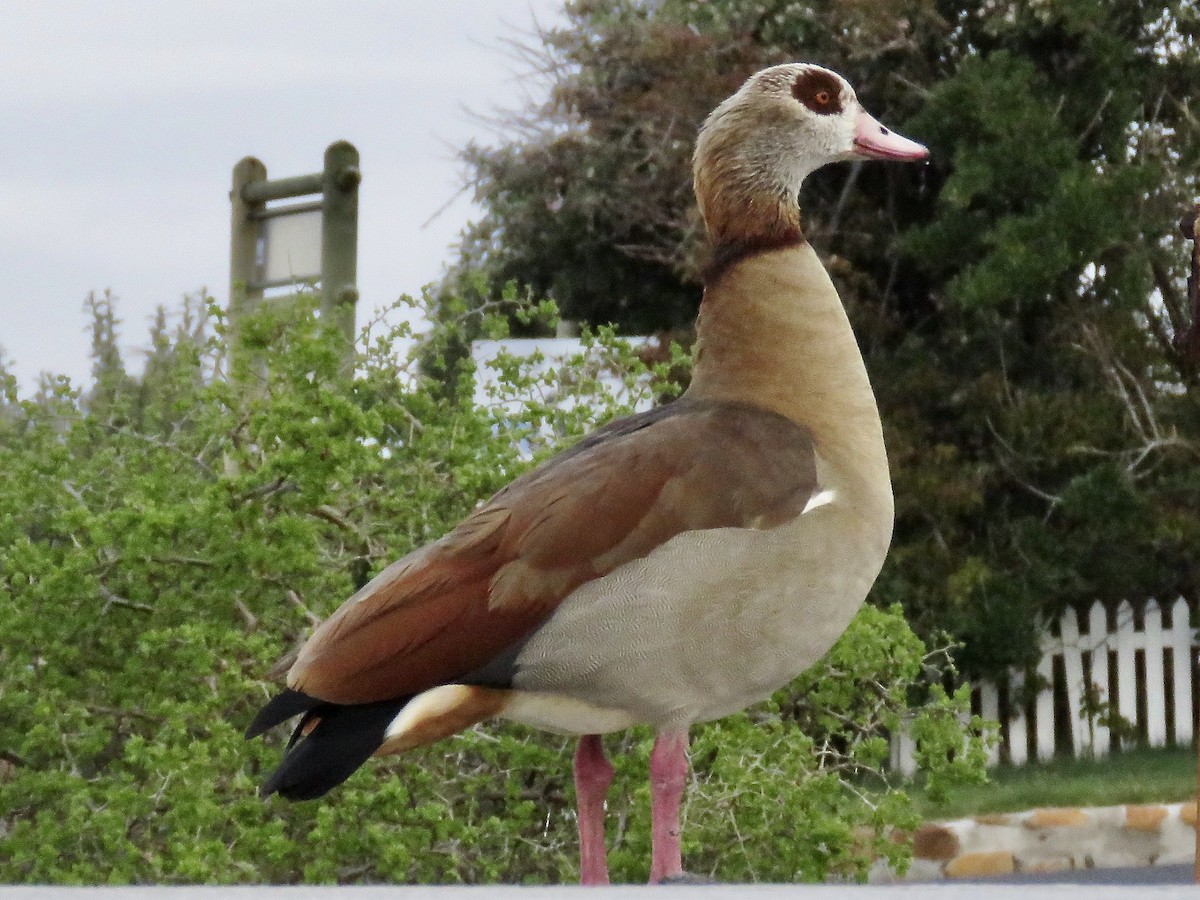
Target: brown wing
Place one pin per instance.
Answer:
(453, 606)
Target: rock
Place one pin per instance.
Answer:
(995, 819)
(1050, 839)
(975, 865)
(1051, 864)
(920, 870)
(1056, 817)
(937, 842)
(1144, 818)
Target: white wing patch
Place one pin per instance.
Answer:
(824, 498)
(431, 704)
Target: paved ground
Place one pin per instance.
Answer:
(1156, 883)
(1144, 875)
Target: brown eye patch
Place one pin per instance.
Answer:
(819, 91)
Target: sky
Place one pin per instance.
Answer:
(121, 120)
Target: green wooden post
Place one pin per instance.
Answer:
(338, 186)
(339, 242)
(244, 293)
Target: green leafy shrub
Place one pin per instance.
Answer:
(164, 540)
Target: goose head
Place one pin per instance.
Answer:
(756, 148)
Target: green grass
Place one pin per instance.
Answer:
(1135, 776)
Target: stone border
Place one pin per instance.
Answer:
(1052, 839)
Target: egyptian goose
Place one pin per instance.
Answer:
(673, 567)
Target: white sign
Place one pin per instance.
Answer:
(291, 247)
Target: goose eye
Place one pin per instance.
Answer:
(819, 91)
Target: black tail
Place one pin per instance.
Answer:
(279, 709)
(328, 745)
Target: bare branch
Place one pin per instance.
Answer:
(1188, 342)
(1004, 460)
(248, 617)
(298, 602)
(1139, 411)
(185, 561)
(111, 599)
(263, 491)
(125, 713)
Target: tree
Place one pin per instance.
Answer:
(160, 550)
(109, 378)
(1017, 300)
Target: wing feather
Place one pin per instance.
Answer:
(453, 606)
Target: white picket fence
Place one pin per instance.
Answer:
(1144, 665)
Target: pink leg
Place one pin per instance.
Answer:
(593, 775)
(668, 775)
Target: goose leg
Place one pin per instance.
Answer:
(593, 775)
(668, 775)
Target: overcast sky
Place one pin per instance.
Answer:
(121, 120)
